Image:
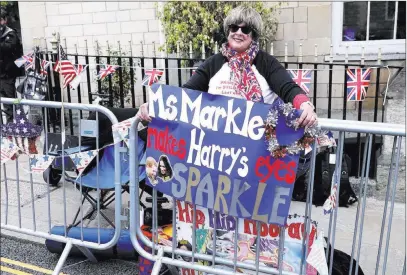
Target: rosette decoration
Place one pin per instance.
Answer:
(291, 116)
(22, 132)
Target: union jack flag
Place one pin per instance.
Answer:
(109, 69)
(65, 67)
(29, 64)
(26, 60)
(151, 77)
(302, 78)
(357, 83)
(79, 70)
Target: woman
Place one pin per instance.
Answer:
(241, 70)
(164, 169)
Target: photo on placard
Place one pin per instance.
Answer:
(151, 170)
(164, 171)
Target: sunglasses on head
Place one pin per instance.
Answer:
(235, 28)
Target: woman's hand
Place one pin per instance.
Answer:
(308, 117)
(143, 112)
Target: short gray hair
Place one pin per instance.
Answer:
(246, 15)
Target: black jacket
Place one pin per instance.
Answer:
(10, 49)
(268, 66)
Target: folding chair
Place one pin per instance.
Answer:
(102, 175)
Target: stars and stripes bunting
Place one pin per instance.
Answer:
(121, 131)
(151, 77)
(8, 150)
(302, 78)
(109, 69)
(357, 83)
(40, 163)
(82, 159)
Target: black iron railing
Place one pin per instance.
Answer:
(182, 68)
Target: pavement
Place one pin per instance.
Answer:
(22, 257)
(35, 196)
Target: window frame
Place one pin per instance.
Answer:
(389, 46)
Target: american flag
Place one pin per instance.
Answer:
(151, 77)
(302, 78)
(65, 67)
(109, 69)
(44, 66)
(357, 83)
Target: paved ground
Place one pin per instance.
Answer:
(41, 257)
(24, 257)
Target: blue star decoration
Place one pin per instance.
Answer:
(77, 160)
(33, 161)
(90, 153)
(46, 158)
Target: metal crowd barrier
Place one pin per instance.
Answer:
(174, 256)
(15, 218)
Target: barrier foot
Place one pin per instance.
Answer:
(88, 254)
(158, 262)
(62, 259)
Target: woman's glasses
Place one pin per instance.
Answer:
(235, 28)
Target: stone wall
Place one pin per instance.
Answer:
(127, 23)
(300, 22)
(94, 21)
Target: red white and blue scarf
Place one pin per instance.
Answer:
(245, 80)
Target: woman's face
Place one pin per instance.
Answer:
(238, 39)
(163, 170)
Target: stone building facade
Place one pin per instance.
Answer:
(128, 23)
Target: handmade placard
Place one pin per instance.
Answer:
(207, 221)
(216, 152)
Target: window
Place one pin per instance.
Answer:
(369, 24)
